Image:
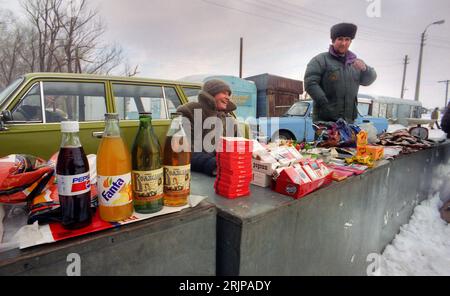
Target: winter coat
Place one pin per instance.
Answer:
(333, 83)
(445, 122)
(205, 162)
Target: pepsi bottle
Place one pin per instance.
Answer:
(73, 178)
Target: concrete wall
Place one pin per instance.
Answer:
(332, 231)
(177, 244)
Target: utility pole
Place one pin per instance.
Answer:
(447, 82)
(419, 70)
(404, 76)
(240, 59)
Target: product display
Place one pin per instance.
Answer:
(73, 179)
(114, 174)
(147, 174)
(177, 164)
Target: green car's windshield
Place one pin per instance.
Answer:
(10, 89)
(298, 109)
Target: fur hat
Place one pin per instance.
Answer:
(215, 86)
(343, 30)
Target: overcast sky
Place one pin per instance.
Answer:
(176, 38)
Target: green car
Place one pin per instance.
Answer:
(32, 107)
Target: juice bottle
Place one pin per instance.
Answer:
(147, 174)
(72, 175)
(114, 173)
(177, 164)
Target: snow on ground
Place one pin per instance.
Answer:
(395, 127)
(436, 134)
(422, 247)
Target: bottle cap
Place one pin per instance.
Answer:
(175, 114)
(70, 126)
(112, 116)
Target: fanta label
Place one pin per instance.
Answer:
(73, 185)
(114, 191)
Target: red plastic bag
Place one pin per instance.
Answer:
(22, 177)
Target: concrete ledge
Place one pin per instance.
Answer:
(183, 243)
(331, 231)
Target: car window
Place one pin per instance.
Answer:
(172, 99)
(191, 93)
(363, 109)
(298, 109)
(10, 88)
(29, 108)
(132, 99)
(79, 101)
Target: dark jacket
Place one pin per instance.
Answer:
(202, 161)
(445, 122)
(333, 83)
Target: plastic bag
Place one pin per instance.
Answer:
(371, 132)
(45, 207)
(22, 177)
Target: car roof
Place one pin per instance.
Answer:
(107, 77)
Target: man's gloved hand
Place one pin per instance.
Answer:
(360, 65)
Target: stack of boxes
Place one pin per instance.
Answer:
(234, 167)
(364, 149)
(267, 160)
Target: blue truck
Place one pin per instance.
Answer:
(297, 124)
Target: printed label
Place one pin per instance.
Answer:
(114, 191)
(73, 185)
(148, 185)
(177, 178)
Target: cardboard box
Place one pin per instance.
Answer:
(362, 138)
(261, 179)
(267, 168)
(375, 152)
(290, 183)
(233, 145)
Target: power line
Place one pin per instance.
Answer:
(364, 36)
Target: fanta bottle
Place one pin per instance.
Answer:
(114, 174)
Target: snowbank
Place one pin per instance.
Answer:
(422, 247)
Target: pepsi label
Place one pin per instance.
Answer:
(73, 185)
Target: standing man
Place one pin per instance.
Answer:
(333, 78)
(435, 118)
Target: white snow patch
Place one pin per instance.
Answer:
(422, 247)
(392, 128)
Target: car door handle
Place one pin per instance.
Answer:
(97, 135)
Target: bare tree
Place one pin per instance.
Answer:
(59, 36)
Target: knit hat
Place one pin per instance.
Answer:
(215, 86)
(343, 30)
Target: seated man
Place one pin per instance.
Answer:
(213, 102)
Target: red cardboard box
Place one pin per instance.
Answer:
(233, 179)
(233, 195)
(231, 186)
(233, 145)
(290, 183)
(233, 173)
